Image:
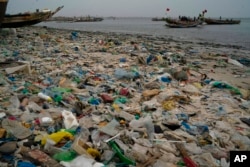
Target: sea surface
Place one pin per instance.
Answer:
(236, 35)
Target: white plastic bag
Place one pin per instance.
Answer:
(81, 161)
(69, 120)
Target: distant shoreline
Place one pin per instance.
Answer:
(170, 38)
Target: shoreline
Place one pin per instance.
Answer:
(200, 42)
(210, 34)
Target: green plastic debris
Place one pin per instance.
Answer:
(65, 156)
(120, 154)
(122, 100)
(224, 85)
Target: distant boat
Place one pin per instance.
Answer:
(183, 20)
(27, 19)
(183, 24)
(221, 21)
(88, 19)
(158, 19)
(172, 20)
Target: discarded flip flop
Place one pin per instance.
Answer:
(246, 121)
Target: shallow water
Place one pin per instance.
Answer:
(238, 35)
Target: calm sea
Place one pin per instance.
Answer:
(238, 35)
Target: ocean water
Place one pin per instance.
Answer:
(236, 35)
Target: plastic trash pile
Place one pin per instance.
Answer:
(78, 99)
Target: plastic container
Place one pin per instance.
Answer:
(45, 97)
(81, 147)
(45, 119)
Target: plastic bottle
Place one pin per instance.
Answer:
(57, 97)
(44, 96)
(119, 153)
(84, 134)
(148, 123)
(15, 102)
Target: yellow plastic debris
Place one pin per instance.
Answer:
(197, 85)
(116, 107)
(57, 137)
(94, 152)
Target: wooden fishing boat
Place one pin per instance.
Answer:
(172, 20)
(183, 24)
(27, 19)
(3, 6)
(221, 21)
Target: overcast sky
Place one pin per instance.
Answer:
(136, 8)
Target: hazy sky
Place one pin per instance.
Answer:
(137, 8)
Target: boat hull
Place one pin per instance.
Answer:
(22, 23)
(3, 7)
(184, 24)
(219, 22)
(21, 20)
(181, 26)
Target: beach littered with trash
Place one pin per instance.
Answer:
(75, 98)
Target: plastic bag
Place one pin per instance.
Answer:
(69, 120)
(13, 109)
(122, 74)
(81, 161)
(57, 137)
(65, 156)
